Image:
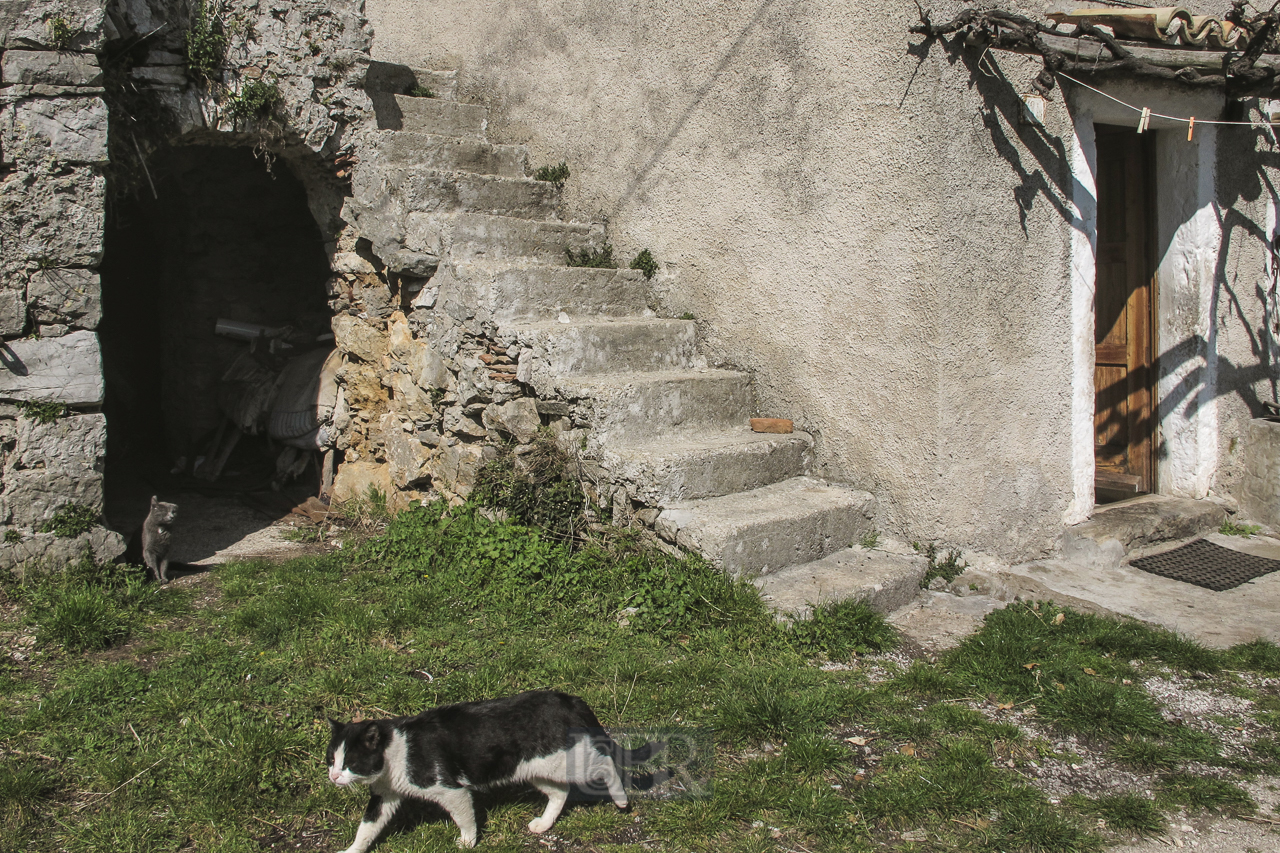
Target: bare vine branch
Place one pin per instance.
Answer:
(1240, 74)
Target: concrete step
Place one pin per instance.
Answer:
(885, 579)
(477, 238)
(770, 528)
(1116, 529)
(571, 347)
(667, 471)
(626, 408)
(389, 78)
(446, 118)
(510, 294)
(447, 153)
(438, 192)
(443, 84)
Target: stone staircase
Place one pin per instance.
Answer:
(669, 435)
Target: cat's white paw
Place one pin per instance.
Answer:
(538, 826)
(465, 842)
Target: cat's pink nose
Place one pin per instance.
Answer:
(334, 775)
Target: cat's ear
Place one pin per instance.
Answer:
(153, 501)
(373, 737)
(335, 726)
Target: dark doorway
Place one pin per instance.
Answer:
(1124, 351)
(222, 237)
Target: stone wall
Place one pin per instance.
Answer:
(89, 92)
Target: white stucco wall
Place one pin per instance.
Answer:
(864, 225)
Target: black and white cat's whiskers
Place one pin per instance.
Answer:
(541, 738)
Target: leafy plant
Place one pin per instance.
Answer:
(72, 520)
(645, 263)
(420, 91)
(206, 43)
(61, 35)
(11, 536)
(688, 315)
(258, 99)
(44, 413)
(536, 487)
(601, 258)
(870, 539)
(1230, 528)
(557, 175)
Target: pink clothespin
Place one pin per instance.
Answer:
(1191, 128)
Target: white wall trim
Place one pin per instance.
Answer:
(1084, 236)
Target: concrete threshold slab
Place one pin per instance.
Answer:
(1249, 612)
(883, 579)
(1119, 528)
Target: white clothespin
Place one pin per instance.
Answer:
(1144, 120)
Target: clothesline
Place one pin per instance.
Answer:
(1145, 113)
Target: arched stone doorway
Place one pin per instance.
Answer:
(221, 237)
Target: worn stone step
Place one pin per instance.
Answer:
(446, 118)
(633, 407)
(884, 579)
(448, 153)
(439, 192)
(770, 528)
(1116, 529)
(477, 238)
(568, 347)
(512, 294)
(666, 471)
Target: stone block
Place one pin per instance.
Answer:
(71, 130)
(26, 22)
(407, 458)
(428, 369)
(32, 495)
(518, 418)
(355, 336)
(72, 442)
(48, 551)
(50, 67)
(59, 370)
(13, 313)
(1260, 486)
(354, 480)
(72, 296)
(55, 220)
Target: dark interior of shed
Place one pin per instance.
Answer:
(223, 236)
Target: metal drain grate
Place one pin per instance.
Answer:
(1208, 565)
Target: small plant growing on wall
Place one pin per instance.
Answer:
(206, 42)
(420, 91)
(61, 35)
(645, 263)
(601, 258)
(70, 521)
(557, 174)
(257, 99)
(43, 413)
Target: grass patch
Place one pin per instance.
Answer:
(71, 520)
(1230, 528)
(208, 731)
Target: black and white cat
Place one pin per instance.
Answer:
(541, 737)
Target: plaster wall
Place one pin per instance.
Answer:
(864, 225)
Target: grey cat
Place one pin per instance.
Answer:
(157, 538)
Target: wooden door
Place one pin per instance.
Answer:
(1124, 375)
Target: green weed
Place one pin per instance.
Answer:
(557, 175)
(1202, 792)
(688, 315)
(537, 487)
(71, 520)
(948, 568)
(601, 258)
(206, 42)
(257, 99)
(841, 629)
(1123, 812)
(61, 34)
(645, 263)
(870, 539)
(12, 535)
(44, 413)
(419, 91)
(1230, 528)
(1258, 656)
